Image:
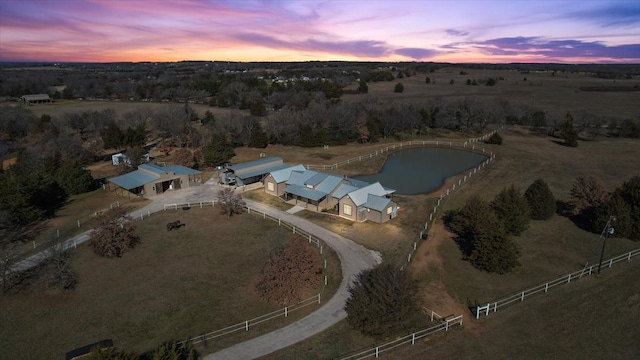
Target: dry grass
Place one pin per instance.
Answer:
(549, 249)
(174, 285)
(556, 95)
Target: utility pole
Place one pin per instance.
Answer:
(608, 230)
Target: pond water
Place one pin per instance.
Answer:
(422, 170)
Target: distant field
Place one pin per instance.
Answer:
(556, 95)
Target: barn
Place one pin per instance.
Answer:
(151, 179)
(251, 172)
(35, 99)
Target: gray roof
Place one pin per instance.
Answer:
(359, 197)
(147, 173)
(36, 97)
(181, 170)
(260, 171)
(329, 184)
(305, 192)
(343, 190)
(133, 179)
(378, 203)
(283, 175)
(260, 162)
(316, 179)
(300, 177)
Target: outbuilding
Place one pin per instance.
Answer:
(35, 99)
(151, 179)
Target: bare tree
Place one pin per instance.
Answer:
(114, 234)
(230, 202)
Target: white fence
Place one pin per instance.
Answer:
(468, 144)
(462, 179)
(409, 339)
(245, 325)
(543, 288)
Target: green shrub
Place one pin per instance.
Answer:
(542, 204)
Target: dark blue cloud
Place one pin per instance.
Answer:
(557, 48)
(454, 32)
(363, 48)
(416, 53)
(612, 15)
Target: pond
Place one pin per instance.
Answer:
(422, 170)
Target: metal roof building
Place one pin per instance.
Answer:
(151, 179)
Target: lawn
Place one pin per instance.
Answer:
(550, 249)
(173, 285)
(555, 94)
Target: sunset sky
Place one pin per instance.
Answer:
(587, 31)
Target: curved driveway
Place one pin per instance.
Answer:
(353, 259)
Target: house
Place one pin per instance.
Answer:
(371, 202)
(353, 199)
(151, 179)
(123, 158)
(35, 99)
(251, 172)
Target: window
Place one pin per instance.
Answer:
(389, 209)
(270, 186)
(346, 209)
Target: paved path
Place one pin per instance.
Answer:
(353, 259)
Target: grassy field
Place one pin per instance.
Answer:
(173, 285)
(549, 248)
(555, 95)
(594, 318)
(571, 321)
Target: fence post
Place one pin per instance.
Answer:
(377, 352)
(522, 296)
(58, 231)
(320, 249)
(569, 280)
(325, 263)
(546, 286)
(413, 339)
(325, 284)
(34, 244)
(246, 325)
(319, 297)
(286, 312)
(78, 223)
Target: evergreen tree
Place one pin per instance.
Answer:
(218, 151)
(512, 209)
(73, 178)
(382, 302)
(495, 139)
(259, 138)
(569, 133)
(493, 250)
(542, 204)
(482, 237)
(113, 137)
(363, 87)
(615, 206)
(630, 193)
